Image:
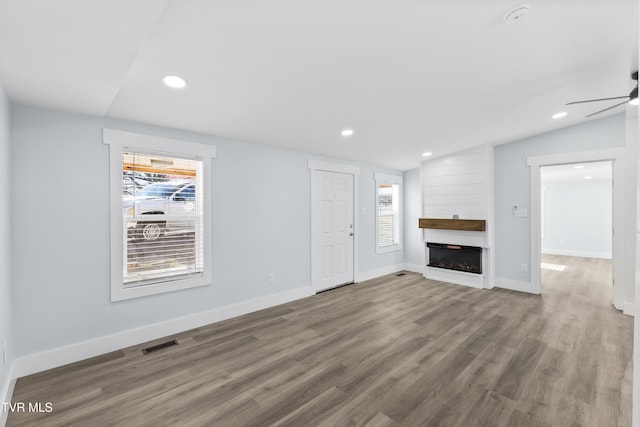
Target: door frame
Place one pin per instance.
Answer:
(616, 156)
(316, 166)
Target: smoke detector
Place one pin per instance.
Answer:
(516, 14)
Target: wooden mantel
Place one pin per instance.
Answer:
(453, 224)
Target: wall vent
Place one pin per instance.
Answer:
(159, 347)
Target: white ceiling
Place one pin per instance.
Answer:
(408, 76)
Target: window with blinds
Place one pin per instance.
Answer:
(162, 218)
(388, 233)
(160, 196)
(388, 210)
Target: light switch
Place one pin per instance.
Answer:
(520, 212)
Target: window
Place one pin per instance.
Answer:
(160, 210)
(388, 213)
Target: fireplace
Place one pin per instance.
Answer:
(455, 257)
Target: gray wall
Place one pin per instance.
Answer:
(578, 218)
(6, 323)
(413, 244)
(60, 211)
(513, 246)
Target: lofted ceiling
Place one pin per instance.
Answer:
(408, 76)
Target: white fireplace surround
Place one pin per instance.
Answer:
(463, 238)
(461, 185)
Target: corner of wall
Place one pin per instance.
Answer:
(6, 283)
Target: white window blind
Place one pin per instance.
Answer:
(161, 193)
(162, 217)
(388, 224)
(388, 213)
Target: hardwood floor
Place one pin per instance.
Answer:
(397, 350)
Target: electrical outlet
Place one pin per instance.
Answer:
(271, 278)
(524, 268)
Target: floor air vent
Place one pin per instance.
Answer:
(158, 347)
(401, 274)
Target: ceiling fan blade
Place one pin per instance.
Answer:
(594, 100)
(607, 109)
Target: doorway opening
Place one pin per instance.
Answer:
(576, 231)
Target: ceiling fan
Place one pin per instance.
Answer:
(632, 98)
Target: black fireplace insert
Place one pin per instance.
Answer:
(455, 257)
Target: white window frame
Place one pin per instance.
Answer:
(382, 178)
(121, 141)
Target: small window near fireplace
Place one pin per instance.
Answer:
(455, 257)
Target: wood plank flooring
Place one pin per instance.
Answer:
(397, 350)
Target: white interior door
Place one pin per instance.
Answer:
(332, 229)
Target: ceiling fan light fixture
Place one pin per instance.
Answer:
(633, 97)
(516, 14)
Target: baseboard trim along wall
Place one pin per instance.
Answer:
(514, 285)
(6, 393)
(372, 274)
(38, 362)
(414, 268)
(629, 309)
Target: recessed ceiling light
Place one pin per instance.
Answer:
(559, 115)
(427, 154)
(175, 82)
(578, 166)
(347, 132)
(587, 177)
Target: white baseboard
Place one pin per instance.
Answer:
(629, 309)
(515, 285)
(372, 274)
(414, 268)
(38, 362)
(456, 277)
(581, 254)
(6, 394)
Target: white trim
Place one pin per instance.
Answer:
(414, 268)
(119, 141)
(379, 272)
(516, 285)
(463, 278)
(333, 167)
(156, 143)
(582, 254)
(38, 362)
(388, 178)
(315, 166)
(616, 156)
(6, 393)
(629, 309)
(385, 178)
